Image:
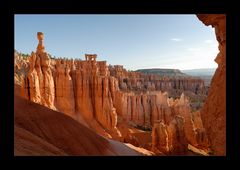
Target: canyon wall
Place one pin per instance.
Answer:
(85, 91)
(77, 88)
(138, 81)
(214, 109)
(100, 96)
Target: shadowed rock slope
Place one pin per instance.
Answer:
(42, 131)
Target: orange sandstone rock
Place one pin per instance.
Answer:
(214, 109)
(91, 92)
(177, 139)
(65, 100)
(160, 138)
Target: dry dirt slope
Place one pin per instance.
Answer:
(41, 131)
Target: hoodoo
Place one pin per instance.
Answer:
(151, 112)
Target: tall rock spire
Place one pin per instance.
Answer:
(40, 47)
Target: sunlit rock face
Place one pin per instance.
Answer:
(214, 110)
(80, 89)
(99, 95)
(65, 99)
(171, 134)
(160, 139)
(39, 81)
(139, 81)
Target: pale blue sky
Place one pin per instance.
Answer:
(135, 41)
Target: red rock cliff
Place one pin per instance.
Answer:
(214, 109)
(80, 89)
(91, 92)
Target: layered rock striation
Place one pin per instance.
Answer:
(139, 81)
(100, 96)
(76, 88)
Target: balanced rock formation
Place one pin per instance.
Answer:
(39, 82)
(98, 96)
(78, 88)
(214, 109)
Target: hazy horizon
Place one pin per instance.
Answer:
(134, 41)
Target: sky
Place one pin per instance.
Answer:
(134, 41)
